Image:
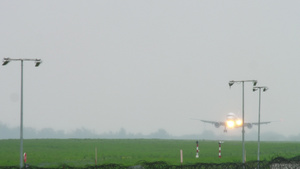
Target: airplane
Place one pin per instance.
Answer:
(232, 121)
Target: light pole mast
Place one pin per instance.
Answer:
(243, 118)
(21, 122)
(243, 110)
(37, 63)
(259, 105)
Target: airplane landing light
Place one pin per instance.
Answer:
(239, 122)
(230, 124)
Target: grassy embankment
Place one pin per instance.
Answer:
(81, 152)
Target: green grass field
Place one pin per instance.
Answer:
(81, 152)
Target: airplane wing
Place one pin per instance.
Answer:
(249, 125)
(266, 122)
(216, 123)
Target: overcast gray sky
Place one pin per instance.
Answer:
(146, 65)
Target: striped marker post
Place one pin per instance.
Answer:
(220, 142)
(25, 158)
(197, 155)
(96, 153)
(181, 157)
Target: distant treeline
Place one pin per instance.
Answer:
(30, 133)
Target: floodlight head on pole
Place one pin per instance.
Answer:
(265, 88)
(5, 61)
(38, 62)
(231, 83)
(254, 82)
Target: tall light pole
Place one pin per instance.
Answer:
(243, 110)
(258, 142)
(37, 63)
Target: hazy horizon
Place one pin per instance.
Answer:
(82, 133)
